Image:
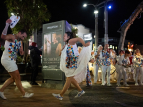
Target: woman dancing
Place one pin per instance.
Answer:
(73, 64)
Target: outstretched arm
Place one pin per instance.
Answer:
(4, 33)
(75, 40)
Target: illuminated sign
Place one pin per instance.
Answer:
(110, 39)
(87, 36)
(51, 27)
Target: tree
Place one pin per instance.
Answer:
(74, 30)
(32, 14)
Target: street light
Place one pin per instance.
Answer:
(96, 11)
(84, 5)
(12, 14)
(109, 7)
(105, 20)
(96, 24)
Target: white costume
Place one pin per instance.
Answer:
(73, 63)
(106, 67)
(97, 65)
(122, 70)
(119, 68)
(137, 61)
(9, 56)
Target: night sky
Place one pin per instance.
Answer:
(74, 12)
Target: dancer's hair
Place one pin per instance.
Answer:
(22, 31)
(121, 51)
(127, 52)
(136, 53)
(99, 47)
(70, 34)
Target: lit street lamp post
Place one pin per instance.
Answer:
(96, 23)
(105, 21)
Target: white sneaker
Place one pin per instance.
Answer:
(109, 85)
(80, 94)
(58, 96)
(126, 85)
(2, 95)
(28, 95)
(118, 85)
(103, 84)
(136, 84)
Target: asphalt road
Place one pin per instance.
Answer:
(103, 96)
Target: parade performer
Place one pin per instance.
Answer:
(88, 76)
(73, 64)
(131, 68)
(119, 66)
(113, 63)
(13, 44)
(125, 63)
(106, 65)
(98, 54)
(138, 63)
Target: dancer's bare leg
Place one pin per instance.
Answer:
(17, 79)
(66, 86)
(74, 82)
(7, 83)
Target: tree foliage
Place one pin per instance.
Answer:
(32, 14)
(74, 31)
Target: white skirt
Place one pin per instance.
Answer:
(81, 71)
(9, 65)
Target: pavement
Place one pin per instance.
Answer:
(42, 97)
(95, 96)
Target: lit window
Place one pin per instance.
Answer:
(116, 47)
(110, 46)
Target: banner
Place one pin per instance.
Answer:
(52, 47)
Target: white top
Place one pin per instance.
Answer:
(75, 49)
(98, 59)
(137, 60)
(124, 61)
(11, 50)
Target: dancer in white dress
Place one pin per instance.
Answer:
(138, 63)
(74, 65)
(12, 45)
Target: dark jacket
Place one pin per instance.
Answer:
(35, 56)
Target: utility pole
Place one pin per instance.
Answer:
(96, 30)
(106, 23)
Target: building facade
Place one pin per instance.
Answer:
(114, 42)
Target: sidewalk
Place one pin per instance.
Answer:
(42, 97)
(95, 96)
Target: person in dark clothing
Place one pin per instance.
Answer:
(35, 61)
